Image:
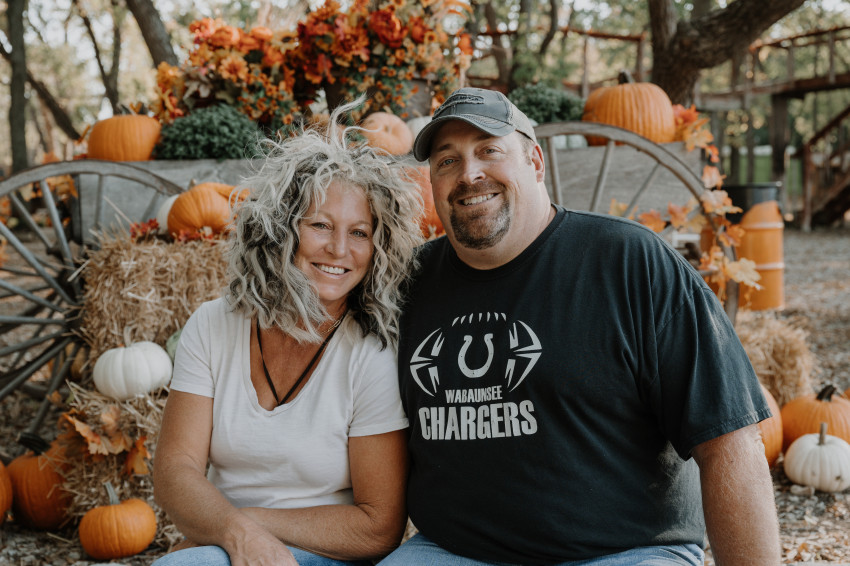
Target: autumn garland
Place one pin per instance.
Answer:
(716, 204)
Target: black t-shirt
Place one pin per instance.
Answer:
(554, 401)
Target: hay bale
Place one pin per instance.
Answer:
(139, 420)
(779, 352)
(146, 290)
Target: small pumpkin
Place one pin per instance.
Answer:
(771, 430)
(430, 224)
(643, 108)
(6, 496)
(162, 213)
(126, 137)
(387, 131)
(39, 500)
(204, 205)
(119, 529)
(804, 414)
(819, 460)
(125, 372)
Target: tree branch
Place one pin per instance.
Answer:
(154, 32)
(63, 121)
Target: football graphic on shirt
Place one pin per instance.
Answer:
(472, 341)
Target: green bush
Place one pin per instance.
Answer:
(543, 103)
(214, 132)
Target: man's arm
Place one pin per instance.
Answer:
(737, 499)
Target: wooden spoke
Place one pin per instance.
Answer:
(603, 176)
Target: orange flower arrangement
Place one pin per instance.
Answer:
(228, 65)
(383, 49)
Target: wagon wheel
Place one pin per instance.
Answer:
(653, 166)
(50, 214)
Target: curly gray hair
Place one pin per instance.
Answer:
(293, 175)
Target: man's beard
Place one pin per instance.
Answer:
(479, 231)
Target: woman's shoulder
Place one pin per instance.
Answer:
(358, 345)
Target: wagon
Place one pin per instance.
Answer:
(41, 291)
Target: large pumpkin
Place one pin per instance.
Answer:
(127, 137)
(431, 225)
(117, 530)
(122, 373)
(39, 500)
(771, 430)
(804, 415)
(819, 460)
(388, 132)
(5, 492)
(643, 108)
(204, 205)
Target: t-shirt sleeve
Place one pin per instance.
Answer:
(377, 403)
(706, 386)
(192, 369)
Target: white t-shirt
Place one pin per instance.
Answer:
(295, 455)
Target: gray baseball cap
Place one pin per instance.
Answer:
(488, 110)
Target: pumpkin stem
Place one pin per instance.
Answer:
(113, 496)
(826, 393)
(127, 338)
(822, 437)
(625, 77)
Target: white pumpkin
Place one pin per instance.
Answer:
(162, 213)
(122, 373)
(819, 460)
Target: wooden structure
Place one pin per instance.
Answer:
(824, 187)
(825, 191)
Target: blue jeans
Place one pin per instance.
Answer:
(419, 551)
(216, 556)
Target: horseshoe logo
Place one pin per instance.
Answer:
(461, 357)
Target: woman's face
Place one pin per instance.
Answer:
(336, 244)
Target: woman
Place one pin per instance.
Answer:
(287, 386)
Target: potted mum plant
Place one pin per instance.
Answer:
(399, 51)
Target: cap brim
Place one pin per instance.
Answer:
(422, 145)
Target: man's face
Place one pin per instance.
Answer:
(486, 189)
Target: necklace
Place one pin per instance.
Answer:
(304, 373)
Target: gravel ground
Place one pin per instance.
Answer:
(813, 525)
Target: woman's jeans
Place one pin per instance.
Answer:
(419, 551)
(216, 556)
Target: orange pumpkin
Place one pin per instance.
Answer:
(431, 225)
(5, 492)
(117, 530)
(387, 131)
(804, 414)
(39, 501)
(127, 137)
(205, 204)
(643, 108)
(771, 430)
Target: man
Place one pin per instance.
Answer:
(574, 388)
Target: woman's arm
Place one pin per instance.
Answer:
(373, 525)
(196, 507)
(737, 497)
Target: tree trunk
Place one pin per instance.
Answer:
(153, 31)
(681, 49)
(17, 85)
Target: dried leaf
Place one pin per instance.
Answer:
(136, 461)
(110, 417)
(744, 271)
(652, 220)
